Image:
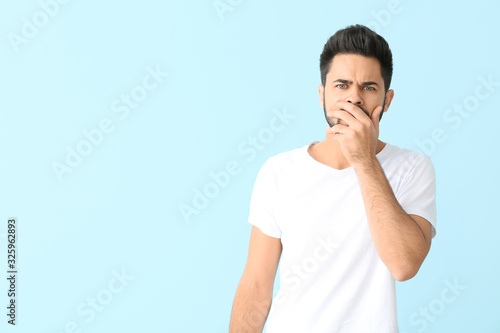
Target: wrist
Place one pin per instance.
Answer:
(366, 164)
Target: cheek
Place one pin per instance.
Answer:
(373, 101)
(331, 99)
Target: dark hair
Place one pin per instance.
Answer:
(357, 39)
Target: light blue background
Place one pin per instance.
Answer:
(119, 209)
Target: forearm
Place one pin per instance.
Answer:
(250, 308)
(398, 239)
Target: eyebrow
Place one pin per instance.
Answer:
(365, 83)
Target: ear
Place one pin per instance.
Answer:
(321, 91)
(389, 95)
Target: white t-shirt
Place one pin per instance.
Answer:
(331, 276)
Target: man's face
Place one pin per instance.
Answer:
(355, 79)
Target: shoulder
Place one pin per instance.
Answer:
(288, 161)
(400, 162)
(395, 155)
(290, 158)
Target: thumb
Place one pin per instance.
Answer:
(376, 117)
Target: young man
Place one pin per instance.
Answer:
(348, 215)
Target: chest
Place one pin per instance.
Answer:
(315, 206)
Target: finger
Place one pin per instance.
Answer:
(338, 129)
(346, 116)
(339, 132)
(376, 117)
(356, 111)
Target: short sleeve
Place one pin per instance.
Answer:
(262, 203)
(418, 192)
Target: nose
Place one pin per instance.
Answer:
(354, 97)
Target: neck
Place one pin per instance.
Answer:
(329, 153)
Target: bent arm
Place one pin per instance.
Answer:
(402, 241)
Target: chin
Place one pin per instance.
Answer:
(332, 121)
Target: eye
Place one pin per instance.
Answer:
(369, 88)
(341, 84)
